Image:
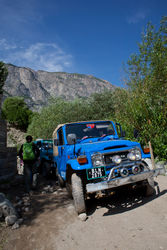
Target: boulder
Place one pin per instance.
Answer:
(10, 220)
(7, 210)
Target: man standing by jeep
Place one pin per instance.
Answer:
(29, 153)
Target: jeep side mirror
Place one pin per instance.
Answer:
(71, 139)
(56, 142)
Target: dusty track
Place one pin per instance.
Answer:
(123, 222)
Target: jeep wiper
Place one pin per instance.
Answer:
(103, 136)
(86, 137)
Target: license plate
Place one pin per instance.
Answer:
(94, 173)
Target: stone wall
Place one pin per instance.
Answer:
(8, 156)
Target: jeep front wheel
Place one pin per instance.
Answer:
(78, 194)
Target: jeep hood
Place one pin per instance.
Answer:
(104, 146)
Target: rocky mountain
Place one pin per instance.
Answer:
(37, 87)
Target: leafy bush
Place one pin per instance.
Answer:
(16, 112)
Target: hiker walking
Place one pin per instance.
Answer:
(29, 153)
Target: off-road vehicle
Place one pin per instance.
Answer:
(92, 156)
(46, 156)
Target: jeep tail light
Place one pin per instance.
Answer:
(82, 159)
(146, 149)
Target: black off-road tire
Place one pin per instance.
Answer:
(61, 182)
(78, 194)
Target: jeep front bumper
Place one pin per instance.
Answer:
(116, 182)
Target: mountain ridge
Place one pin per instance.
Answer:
(37, 87)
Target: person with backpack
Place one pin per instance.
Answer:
(29, 153)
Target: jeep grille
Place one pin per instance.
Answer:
(108, 157)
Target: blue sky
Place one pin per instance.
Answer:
(92, 37)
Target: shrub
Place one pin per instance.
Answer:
(16, 112)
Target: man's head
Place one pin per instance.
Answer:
(29, 138)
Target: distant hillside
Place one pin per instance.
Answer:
(38, 86)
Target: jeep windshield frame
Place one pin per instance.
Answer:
(92, 129)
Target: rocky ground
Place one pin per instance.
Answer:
(125, 220)
(14, 137)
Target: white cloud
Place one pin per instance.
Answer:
(38, 56)
(5, 45)
(137, 17)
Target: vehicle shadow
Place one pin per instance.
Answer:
(47, 200)
(122, 200)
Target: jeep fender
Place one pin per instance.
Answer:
(74, 167)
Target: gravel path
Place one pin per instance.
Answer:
(123, 222)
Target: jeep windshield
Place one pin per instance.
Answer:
(90, 129)
(48, 144)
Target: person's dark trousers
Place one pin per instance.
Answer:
(28, 176)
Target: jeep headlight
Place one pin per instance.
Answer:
(134, 154)
(116, 159)
(97, 160)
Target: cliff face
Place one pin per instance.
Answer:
(38, 86)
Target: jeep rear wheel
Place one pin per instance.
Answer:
(78, 194)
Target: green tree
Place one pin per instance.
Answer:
(147, 81)
(97, 107)
(101, 105)
(16, 112)
(58, 112)
(3, 75)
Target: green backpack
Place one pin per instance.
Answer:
(28, 153)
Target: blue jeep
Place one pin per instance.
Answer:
(93, 156)
(46, 155)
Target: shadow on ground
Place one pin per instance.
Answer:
(123, 200)
(41, 201)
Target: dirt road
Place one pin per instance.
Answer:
(125, 221)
